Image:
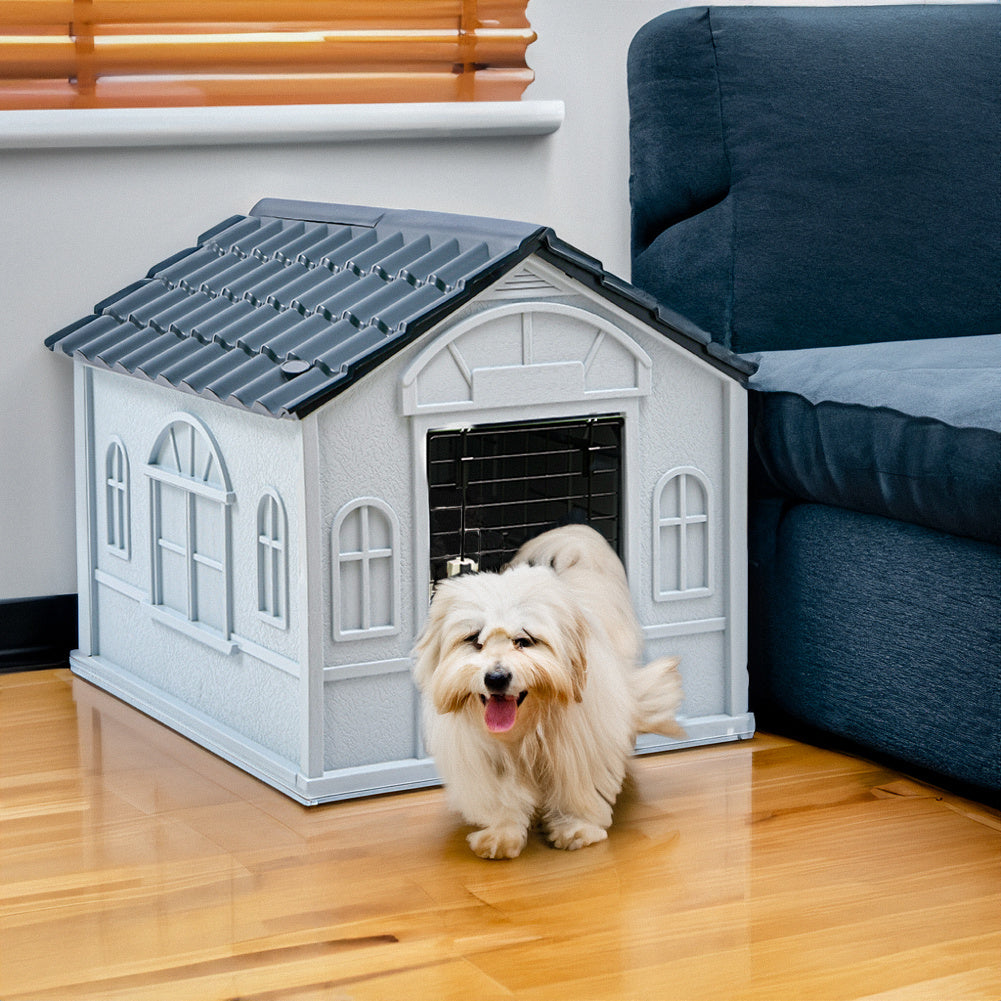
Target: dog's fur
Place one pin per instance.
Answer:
(532, 692)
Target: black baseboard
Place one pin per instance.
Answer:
(36, 633)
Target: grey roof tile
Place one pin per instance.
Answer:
(251, 390)
(270, 248)
(82, 334)
(339, 257)
(204, 278)
(206, 309)
(242, 371)
(297, 280)
(134, 297)
(369, 259)
(284, 344)
(181, 265)
(148, 314)
(340, 357)
(333, 289)
(315, 348)
(396, 263)
(239, 228)
(256, 336)
(200, 376)
(122, 345)
(419, 272)
(180, 357)
(339, 305)
(452, 273)
(293, 394)
(148, 356)
(251, 283)
(110, 342)
(226, 324)
(178, 310)
(315, 244)
(197, 360)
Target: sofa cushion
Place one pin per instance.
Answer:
(815, 176)
(905, 429)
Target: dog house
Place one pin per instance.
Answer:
(288, 432)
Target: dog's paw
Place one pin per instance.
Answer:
(573, 834)
(498, 842)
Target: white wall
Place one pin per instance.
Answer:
(79, 224)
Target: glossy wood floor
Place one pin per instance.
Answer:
(135, 865)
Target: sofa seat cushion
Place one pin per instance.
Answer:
(904, 429)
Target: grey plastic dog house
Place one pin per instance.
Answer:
(285, 433)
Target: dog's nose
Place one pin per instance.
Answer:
(497, 680)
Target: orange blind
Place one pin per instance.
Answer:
(173, 53)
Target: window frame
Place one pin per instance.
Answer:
(339, 557)
(272, 560)
(188, 620)
(680, 523)
(117, 500)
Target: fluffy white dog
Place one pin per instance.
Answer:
(533, 694)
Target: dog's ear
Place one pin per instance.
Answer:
(427, 650)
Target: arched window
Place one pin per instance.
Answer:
(272, 560)
(117, 497)
(190, 501)
(682, 542)
(365, 564)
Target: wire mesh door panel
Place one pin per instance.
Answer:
(491, 488)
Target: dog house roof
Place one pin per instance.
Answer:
(280, 310)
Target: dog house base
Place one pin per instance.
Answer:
(344, 783)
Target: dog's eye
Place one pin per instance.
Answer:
(474, 640)
(523, 641)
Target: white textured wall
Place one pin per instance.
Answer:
(79, 224)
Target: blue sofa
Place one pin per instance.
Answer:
(819, 188)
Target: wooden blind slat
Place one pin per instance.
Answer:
(281, 53)
(357, 88)
(336, 13)
(117, 53)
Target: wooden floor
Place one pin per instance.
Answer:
(135, 865)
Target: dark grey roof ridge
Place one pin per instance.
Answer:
(416, 220)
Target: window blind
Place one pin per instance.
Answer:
(182, 53)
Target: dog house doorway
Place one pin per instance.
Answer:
(493, 487)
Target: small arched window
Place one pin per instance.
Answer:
(117, 500)
(272, 560)
(682, 542)
(365, 565)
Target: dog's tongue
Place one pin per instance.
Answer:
(501, 713)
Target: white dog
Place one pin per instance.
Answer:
(533, 695)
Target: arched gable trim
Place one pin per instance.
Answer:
(525, 353)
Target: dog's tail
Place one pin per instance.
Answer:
(659, 694)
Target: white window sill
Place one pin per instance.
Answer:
(123, 127)
(196, 630)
